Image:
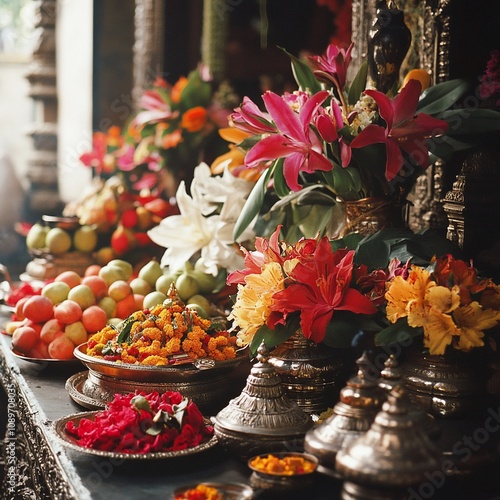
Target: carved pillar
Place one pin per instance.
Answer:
(148, 46)
(213, 43)
(43, 197)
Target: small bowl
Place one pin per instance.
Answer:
(229, 491)
(282, 482)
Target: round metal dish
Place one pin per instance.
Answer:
(74, 386)
(205, 384)
(229, 491)
(165, 374)
(72, 443)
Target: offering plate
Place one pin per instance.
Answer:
(203, 381)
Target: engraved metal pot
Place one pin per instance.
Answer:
(312, 374)
(392, 456)
(360, 400)
(449, 385)
(366, 216)
(262, 419)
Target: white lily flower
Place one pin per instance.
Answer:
(213, 191)
(193, 232)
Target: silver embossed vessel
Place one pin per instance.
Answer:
(392, 456)
(360, 400)
(262, 419)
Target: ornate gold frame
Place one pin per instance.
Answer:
(429, 21)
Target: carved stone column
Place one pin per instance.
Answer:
(43, 197)
(149, 43)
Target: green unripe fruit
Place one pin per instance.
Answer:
(186, 286)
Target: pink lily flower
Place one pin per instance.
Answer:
(249, 118)
(404, 129)
(296, 141)
(333, 65)
(328, 122)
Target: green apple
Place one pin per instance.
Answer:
(200, 300)
(125, 266)
(58, 241)
(57, 291)
(151, 272)
(76, 332)
(108, 305)
(187, 286)
(82, 295)
(110, 274)
(153, 299)
(163, 283)
(85, 239)
(35, 239)
(140, 286)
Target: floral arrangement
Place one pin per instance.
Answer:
(445, 301)
(333, 141)
(165, 335)
(164, 140)
(143, 423)
(286, 286)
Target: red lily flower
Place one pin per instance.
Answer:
(321, 286)
(333, 65)
(296, 141)
(403, 130)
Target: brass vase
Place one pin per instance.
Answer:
(366, 216)
(312, 374)
(448, 385)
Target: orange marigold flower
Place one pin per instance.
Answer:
(194, 119)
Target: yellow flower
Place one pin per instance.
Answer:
(253, 301)
(473, 320)
(406, 297)
(442, 298)
(439, 330)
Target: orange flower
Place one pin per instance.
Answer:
(177, 89)
(473, 320)
(194, 119)
(167, 141)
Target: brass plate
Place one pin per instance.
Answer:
(74, 386)
(169, 374)
(72, 443)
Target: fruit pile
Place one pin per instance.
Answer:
(69, 309)
(58, 241)
(72, 307)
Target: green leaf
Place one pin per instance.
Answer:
(341, 330)
(471, 122)
(124, 335)
(440, 97)
(358, 85)
(280, 185)
(249, 142)
(178, 410)
(271, 338)
(253, 204)
(351, 242)
(303, 74)
(139, 402)
(196, 92)
(397, 332)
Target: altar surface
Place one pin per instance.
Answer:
(38, 465)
